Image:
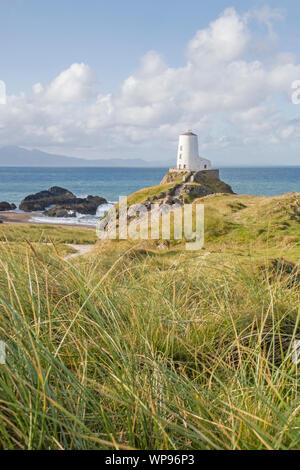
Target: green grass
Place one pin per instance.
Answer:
(132, 347)
(143, 194)
(47, 233)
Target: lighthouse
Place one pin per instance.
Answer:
(188, 154)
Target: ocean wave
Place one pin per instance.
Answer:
(80, 219)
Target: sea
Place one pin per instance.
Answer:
(112, 183)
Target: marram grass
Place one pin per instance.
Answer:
(128, 348)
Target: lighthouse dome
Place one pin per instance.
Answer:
(189, 133)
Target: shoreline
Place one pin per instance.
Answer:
(15, 218)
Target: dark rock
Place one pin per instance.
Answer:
(6, 206)
(172, 200)
(172, 191)
(43, 199)
(57, 211)
(69, 208)
(64, 202)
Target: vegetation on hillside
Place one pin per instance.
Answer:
(134, 347)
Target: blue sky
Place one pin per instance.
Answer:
(40, 40)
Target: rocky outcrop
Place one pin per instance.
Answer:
(59, 202)
(6, 206)
(211, 182)
(88, 205)
(187, 188)
(189, 192)
(173, 176)
(176, 176)
(176, 189)
(209, 179)
(43, 199)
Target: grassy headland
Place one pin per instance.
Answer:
(134, 347)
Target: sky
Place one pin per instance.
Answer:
(99, 79)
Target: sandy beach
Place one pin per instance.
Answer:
(15, 218)
(11, 218)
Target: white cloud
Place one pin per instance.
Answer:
(2, 92)
(226, 39)
(232, 101)
(72, 85)
(37, 88)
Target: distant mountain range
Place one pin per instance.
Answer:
(18, 156)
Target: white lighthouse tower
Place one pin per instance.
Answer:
(188, 155)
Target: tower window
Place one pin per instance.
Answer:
(180, 147)
(180, 156)
(205, 166)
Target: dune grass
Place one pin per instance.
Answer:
(130, 347)
(133, 348)
(47, 233)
